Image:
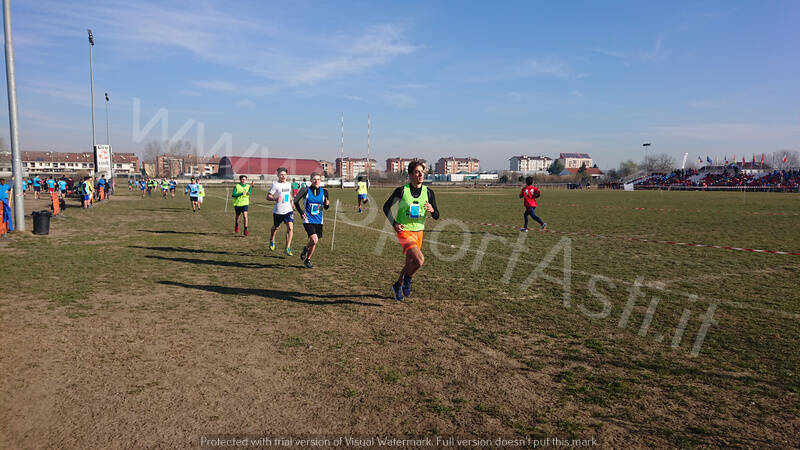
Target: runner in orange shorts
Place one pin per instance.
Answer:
(415, 203)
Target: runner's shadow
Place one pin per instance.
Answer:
(177, 232)
(163, 209)
(190, 250)
(290, 296)
(213, 262)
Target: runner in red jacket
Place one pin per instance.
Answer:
(529, 194)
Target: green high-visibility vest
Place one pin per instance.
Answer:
(411, 211)
(244, 198)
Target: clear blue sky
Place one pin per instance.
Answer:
(482, 79)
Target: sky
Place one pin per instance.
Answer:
(489, 80)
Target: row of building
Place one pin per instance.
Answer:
(60, 163)
(571, 164)
(56, 163)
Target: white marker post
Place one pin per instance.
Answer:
(335, 213)
(227, 195)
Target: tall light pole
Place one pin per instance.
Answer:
(369, 119)
(91, 84)
(19, 200)
(108, 142)
(108, 139)
(645, 145)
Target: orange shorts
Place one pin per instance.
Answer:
(410, 239)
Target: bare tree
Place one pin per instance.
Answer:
(627, 169)
(661, 162)
(776, 159)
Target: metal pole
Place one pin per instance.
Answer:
(91, 85)
(108, 142)
(341, 157)
(368, 136)
(16, 155)
(108, 138)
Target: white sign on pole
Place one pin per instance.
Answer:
(102, 156)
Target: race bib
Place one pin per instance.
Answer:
(413, 211)
(285, 198)
(315, 208)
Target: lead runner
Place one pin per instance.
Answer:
(415, 203)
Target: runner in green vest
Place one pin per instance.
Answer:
(416, 202)
(241, 201)
(361, 190)
(164, 187)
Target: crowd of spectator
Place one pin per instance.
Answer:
(727, 177)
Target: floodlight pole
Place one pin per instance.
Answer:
(91, 85)
(108, 142)
(16, 155)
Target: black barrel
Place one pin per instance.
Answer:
(41, 222)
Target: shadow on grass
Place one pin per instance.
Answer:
(190, 250)
(214, 262)
(289, 296)
(178, 232)
(187, 209)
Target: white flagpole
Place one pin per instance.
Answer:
(335, 214)
(227, 195)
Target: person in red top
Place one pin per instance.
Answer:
(529, 194)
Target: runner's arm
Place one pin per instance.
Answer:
(300, 194)
(327, 203)
(270, 196)
(387, 207)
(432, 201)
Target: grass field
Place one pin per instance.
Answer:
(138, 323)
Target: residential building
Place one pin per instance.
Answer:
(529, 163)
(400, 165)
(450, 165)
(349, 168)
(575, 160)
(64, 163)
(328, 168)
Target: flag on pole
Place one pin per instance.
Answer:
(785, 157)
(699, 159)
(709, 160)
(726, 160)
(754, 159)
(762, 159)
(734, 158)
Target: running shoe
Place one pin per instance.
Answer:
(236, 228)
(272, 245)
(397, 291)
(304, 253)
(246, 233)
(308, 264)
(406, 285)
(524, 230)
(289, 252)
(544, 226)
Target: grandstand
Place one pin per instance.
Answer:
(720, 178)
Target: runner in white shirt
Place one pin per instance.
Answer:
(281, 194)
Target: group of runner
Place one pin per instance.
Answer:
(415, 202)
(287, 196)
